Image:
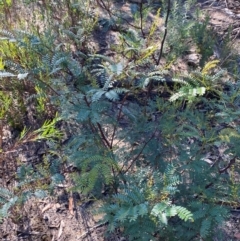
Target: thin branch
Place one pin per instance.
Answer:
(103, 136)
(111, 14)
(1, 133)
(165, 32)
(118, 118)
(140, 152)
(102, 4)
(84, 235)
(141, 18)
(231, 162)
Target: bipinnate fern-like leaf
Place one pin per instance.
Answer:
(149, 79)
(171, 180)
(140, 230)
(143, 209)
(100, 56)
(205, 228)
(218, 214)
(112, 95)
(171, 211)
(6, 74)
(116, 68)
(164, 210)
(131, 213)
(97, 94)
(159, 212)
(70, 34)
(199, 214)
(5, 194)
(7, 35)
(170, 172)
(94, 169)
(188, 92)
(57, 178)
(206, 217)
(78, 38)
(40, 194)
(184, 214)
(157, 76)
(6, 206)
(74, 67)
(19, 76)
(209, 65)
(14, 67)
(123, 198)
(129, 196)
(122, 214)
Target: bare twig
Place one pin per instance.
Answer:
(99, 127)
(230, 163)
(141, 18)
(140, 152)
(91, 230)
(103, 5)
(111, 14)
(103, 136)
(165, 32)
(118, 118)
(1, 133)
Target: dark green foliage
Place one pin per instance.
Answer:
(27, 178)
(204, 39)
(136, 211)
(181, 24)
(205, 219)
(145, 194)
(7, 200)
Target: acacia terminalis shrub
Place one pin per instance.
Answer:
(141, 140)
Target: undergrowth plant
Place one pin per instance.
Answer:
(180, 24)
(38, 182)
(199, 83)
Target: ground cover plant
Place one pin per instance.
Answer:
(156, 147)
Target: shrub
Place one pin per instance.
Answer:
(141, 140)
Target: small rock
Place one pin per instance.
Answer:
(193, 59)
